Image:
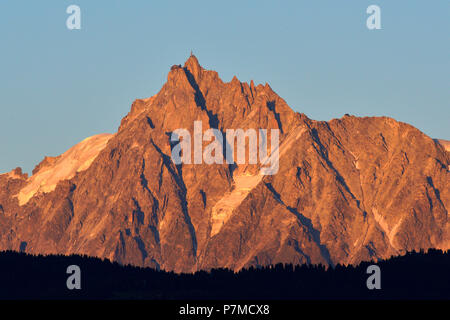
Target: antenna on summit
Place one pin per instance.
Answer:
(191, 53)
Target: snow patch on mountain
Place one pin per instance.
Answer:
(243, 184)
(76, 159)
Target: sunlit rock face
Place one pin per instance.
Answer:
(53, 170)
(347, 190)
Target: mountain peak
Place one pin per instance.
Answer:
(342, 193)
(193, 66)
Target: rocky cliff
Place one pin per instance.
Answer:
(347, 190)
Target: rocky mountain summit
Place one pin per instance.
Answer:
(348, 190)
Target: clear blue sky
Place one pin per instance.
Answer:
(60, 86)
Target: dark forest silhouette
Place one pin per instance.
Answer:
(416, 275)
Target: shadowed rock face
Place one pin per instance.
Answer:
(347, 190)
